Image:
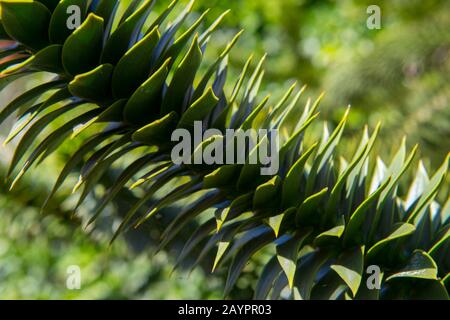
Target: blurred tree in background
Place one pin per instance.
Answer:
(36, 251)
(399, 74)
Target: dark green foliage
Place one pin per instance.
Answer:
(323, 223)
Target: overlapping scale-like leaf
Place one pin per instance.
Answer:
(323, 227)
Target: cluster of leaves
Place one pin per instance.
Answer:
(36, 251)
(324, 223)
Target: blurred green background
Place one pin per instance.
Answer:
(398, 74)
